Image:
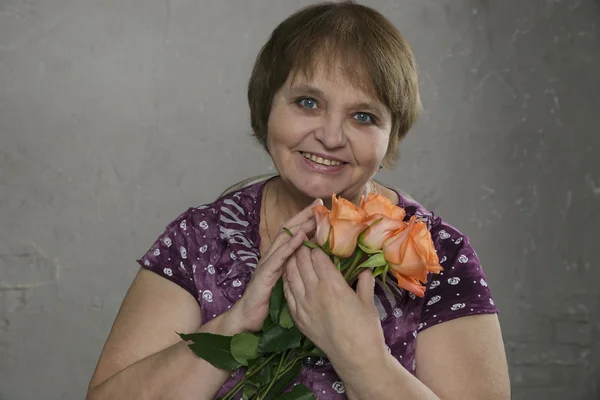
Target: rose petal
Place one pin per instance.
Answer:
(410, 284)
(344, 209)
(377, 234)
(379, 204)
(392, 247)
(321, 214)
(411, 252)
(344, 237)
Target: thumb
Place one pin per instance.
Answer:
(366, 286)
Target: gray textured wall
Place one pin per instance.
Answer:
(117, 115)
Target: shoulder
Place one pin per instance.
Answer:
(234, 208)
(443, 233)
(196, 239)
(461, 288)
(453, 246)
(229, 221)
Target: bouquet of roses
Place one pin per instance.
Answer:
(376, 236)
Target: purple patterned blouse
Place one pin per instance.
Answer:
(211, 251)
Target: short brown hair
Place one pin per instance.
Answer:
(357, 38)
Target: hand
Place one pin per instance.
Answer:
(253, 307)
(342, 323)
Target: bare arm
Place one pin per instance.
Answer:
(461, 359)
(144, 358)
(464, 359)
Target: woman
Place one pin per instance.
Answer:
(332, 93)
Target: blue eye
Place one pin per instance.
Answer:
(307, 102)
(364, 118)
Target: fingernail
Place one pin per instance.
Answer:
(318, 202)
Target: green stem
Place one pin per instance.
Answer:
(283, 368)
(287, 356)
(345, 263)
(357, 256)
(354, 276)
(247, 375)
(307, 243)
(291, 364)
(281, 360)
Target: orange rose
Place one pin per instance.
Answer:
(342, 226)
(410, 284)
(321, 214)
(378, 204)
(411, 255)
(385, 218)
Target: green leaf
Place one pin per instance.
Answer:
(276, 301)
(337, 262)
(267, 324)
(368, 250)
(306, 343)
(384, 278)
(253, 361)
(244, 347)
(285, 318)
(362, 235)
(382, 269)
(249, 390)
(375, 222)
(327, 246)
(299, 392)
(317, 353)
(278, 339)
(192, 337)
(286, 230)
(265, 374)
(384, 275)
(284, 381)
(376, 260)
(309, 349)
(213, 348)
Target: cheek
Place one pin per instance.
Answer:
(276, 118)
(287, 127)
(383, 144)
(371, 147)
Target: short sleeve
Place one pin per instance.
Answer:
(169, 255)
(462, 288)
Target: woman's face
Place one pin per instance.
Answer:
(326, 135)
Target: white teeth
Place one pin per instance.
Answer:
(320, 160)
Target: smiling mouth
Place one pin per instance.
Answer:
(320, 160)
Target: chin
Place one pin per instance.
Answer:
(318, 187)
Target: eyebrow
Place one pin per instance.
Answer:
(306, 89)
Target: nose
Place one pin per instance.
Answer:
(331, 132)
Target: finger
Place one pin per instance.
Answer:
(303, 215)
(323, 267)
(282, 237)
(306, 267)
(294, 279)
(272, 266)
(289, 297)
(366, 287)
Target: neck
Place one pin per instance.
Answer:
(290, 201)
